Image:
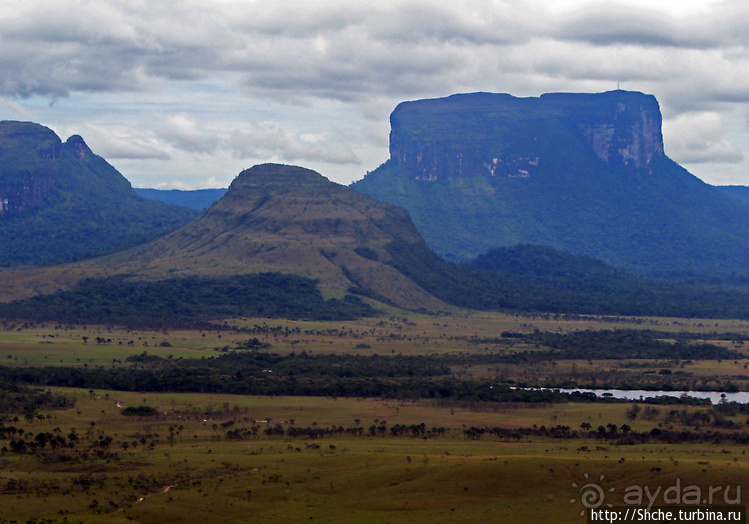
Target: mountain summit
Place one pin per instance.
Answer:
(585, 173)
(290, 220)
(59, 201)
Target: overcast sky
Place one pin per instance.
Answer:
(186, 94)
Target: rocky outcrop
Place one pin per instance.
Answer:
(584, 173)
(78, 147)
(623, 128)
(500, 135)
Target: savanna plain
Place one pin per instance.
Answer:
(399, 418)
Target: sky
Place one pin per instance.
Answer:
(186, 94)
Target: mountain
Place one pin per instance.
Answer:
(584, 173)
(198, 199)
(286, 242)
(273, 219)
(740, 192)
(60, 202)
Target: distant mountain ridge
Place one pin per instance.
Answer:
(285, 241)
(59, 201)
(198, 199)
(584, 173)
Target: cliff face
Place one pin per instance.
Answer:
(30, 147)
(584, 173)
(500, 135)
(33, 157)
(622, 128)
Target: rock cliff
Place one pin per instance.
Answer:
(621, 127)
(584, 173)
(500, 135)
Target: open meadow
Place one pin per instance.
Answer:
(202, 454)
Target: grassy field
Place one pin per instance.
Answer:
(179, 466)
(42, 345)
(232, 458)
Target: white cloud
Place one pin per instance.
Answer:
(174, 184)
(116, 142)
(12, 110)
(695, 138)
(187, 134)
(273, 141)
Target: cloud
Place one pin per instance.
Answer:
(12, 109)
(174, 184)
(271, 140)
(215, 72)
(295, 51)
(696, 138)
(117, 142)
(186, 134)
(618, 24)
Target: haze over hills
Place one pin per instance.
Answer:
(584, 173)
(198, 199)
(60, 202)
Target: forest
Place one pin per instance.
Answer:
(185, 301)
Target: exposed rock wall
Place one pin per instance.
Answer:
(623, 130)
(500, 135)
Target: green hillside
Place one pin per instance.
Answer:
(740, 192)
(274, 219)
(540, 279)
(286, 242)
(582, 173)
(60, 202)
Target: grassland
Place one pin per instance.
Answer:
(236, 458)
(50, 344)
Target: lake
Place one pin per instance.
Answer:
(636, 394)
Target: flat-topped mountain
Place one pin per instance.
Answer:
(585, 173)
(502, 136)
(59, 201)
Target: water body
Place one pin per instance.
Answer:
(637, 394)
